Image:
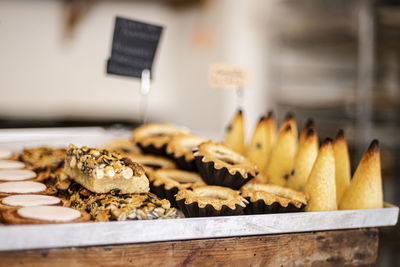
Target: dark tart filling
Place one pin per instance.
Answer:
(210, 201)
(219, 165)
(165, 183)
(268, 198)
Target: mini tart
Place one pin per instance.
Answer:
(165, 183)
(151, 162)
(38, 159)
(152, 138)
(12, 217)
(122, 146)
(269, 198)
(180, 148)
(210, 201)
(219, 165)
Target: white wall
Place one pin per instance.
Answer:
(44, 75)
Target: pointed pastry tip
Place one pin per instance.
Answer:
(270, 114)
(289, 116)
(374, 146)
(309, 123)
(262, 118)
(327, 141)
(340, 134)
(288, 128)
(311, 132)
(240, 112)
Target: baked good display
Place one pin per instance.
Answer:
(234, 136)
(269, 198)
(121, 145)
(180, 148)
(210, 201)
(40, 158)
(220, 165)
(25, 187)
(101, 171)
(152, 138)
(165, 183)
(44, 215)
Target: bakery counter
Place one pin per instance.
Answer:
(354, 247)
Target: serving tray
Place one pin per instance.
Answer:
(107, 233)
(93, 233)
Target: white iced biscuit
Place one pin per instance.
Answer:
(11, 164)
(30, 200)
(22, 187)
(16, 175)
(5, 153)
(49, 213)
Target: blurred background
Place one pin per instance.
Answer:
(336, 61)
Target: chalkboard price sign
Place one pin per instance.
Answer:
(133, 48)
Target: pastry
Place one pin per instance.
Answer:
(152, 138)
(24, 187)
(262, 141)
(165, 183)
(180, 149)
(151, 162)
(101, 171)
(44, 215)
(122, 146)
(11, 164)
(282, 156)
(114, 206)
(342, 165)
(234, 136)
(210, 201)
(5, 153)
(219, 165)
(305, 157)
(320, 185)
(269, 198)
(38, 159)
(365, 189)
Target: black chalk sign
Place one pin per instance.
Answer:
(133, 48)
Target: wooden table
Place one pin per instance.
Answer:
(327, 248)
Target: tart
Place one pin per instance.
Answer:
(210, 201)
(269, 198)
(165, 183)
(180, 149)
(152, 138)
(220, 165)
(151, 162)
(101, 171)
(44, 215)
(122, 146)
